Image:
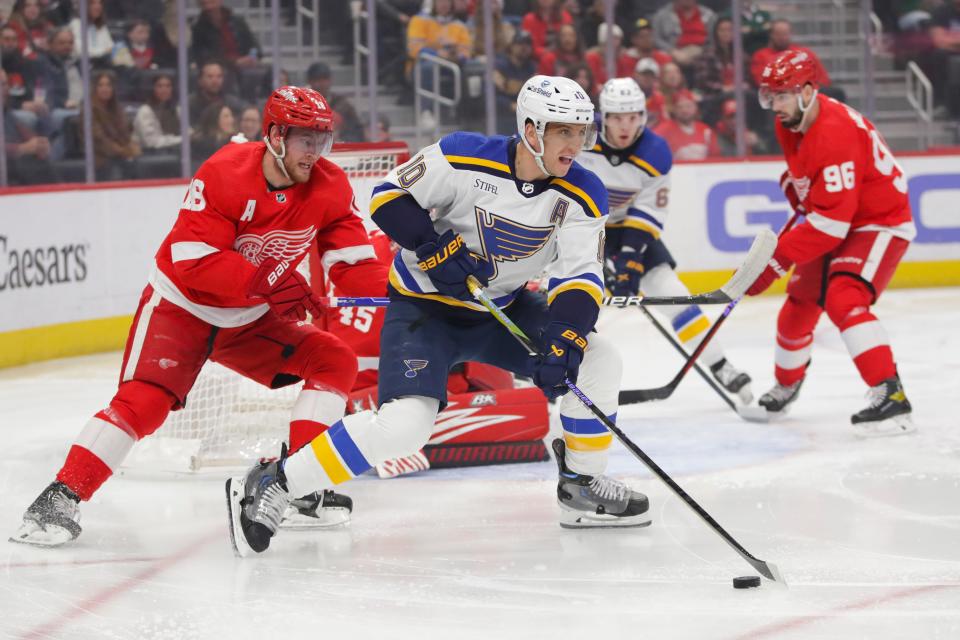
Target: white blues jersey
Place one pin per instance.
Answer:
(520, 228)
(637, 180)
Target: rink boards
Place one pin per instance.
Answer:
(73, 260)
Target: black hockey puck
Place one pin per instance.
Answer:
(746, 582)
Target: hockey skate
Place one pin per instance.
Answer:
(889, 412)
(780, 397)
(596, 501)
(256, 503)
(52, 519)
(733, 380)
(318, 510)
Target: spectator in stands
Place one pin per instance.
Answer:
(28, 154)
(350, 128)
(216, 127)
(114, 149)
(689, 139)
(219, 34)
(714, 71)
(251, 123)
(382, 132)
(21, 77)
(682, 28)
(156, 127)
(59, 72)
(727, 133)
(755, 28)
(594, 14)
(672, 82)
(33, 28)
(99, 40)
(510, 72)
(135, 50)
(582, 75)
(462, 10)
(210, 91)
(543, 24)
(567, 53)
(596, 56)
(642, 44)
(503, 31)
(441, 34)
(647, 75)
(945, 34)
(781, 39)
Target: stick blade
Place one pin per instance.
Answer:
(635, 396)
(753, 265)
(754, 414)
(769, 571)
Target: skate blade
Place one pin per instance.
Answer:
(574, 519)
(759, 414)
(896, 426)
(235, 493)
(327, 518)
(32, 534)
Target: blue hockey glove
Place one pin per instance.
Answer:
(562, 353)
(448, 262)
(628, 269)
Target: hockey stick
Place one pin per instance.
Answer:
(766, 569)
(661, 393)
(756, 261)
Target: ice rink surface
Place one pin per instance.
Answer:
(867, 533)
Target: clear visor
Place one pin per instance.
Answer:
(769, 98)
(584, 136)
(317, 143)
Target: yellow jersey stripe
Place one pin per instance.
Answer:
(398, 285)
(583, 285)
(483, 162)
(635, 223)
(580, 192)
(588, 443)
(643, 164)
(328, 459)
(693, 329)
(384, 198)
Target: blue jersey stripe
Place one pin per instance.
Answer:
(585, 426)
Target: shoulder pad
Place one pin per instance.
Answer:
(584, 187)
(652, 154)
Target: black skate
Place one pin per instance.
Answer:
(596, 501)
(52, 519)
(318, 510)
(733, 380)
(780, 397)
(256, 503)
(889, 413)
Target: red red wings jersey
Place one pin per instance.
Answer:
(230, 220)
(847, 180)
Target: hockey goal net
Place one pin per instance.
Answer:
(229, 420)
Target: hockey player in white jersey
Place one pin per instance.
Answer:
(505, 210)
(634, 164)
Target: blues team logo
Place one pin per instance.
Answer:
(503, 240)
(414, 366)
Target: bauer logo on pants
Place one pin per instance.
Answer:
(413, 366)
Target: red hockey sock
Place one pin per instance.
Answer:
(83, 472)
(303, 432)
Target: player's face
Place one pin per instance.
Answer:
(304, 147)
(561, 144)
(785, 107)
(620, 129)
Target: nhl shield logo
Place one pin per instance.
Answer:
(615, 160)
(527, 188)
(413, 366)
(281, 198)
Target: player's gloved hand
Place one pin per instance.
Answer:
(790, 191)
(286, 291)
(776, 269)
(562, 353)
(448, 262)
(628, 269)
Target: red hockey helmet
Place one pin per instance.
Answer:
(297, 107)
(788, 73)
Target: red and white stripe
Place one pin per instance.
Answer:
(107, 440)
(401, 466)
(140, 335)
(864, 336)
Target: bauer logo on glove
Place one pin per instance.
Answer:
(442, 254)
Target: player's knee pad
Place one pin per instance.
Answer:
(142, 406)
(401, 427)
(662, 280)
(328, 361)
(847, 298)
(599, 378)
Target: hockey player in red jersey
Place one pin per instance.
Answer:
(225, 287)
(857, 226)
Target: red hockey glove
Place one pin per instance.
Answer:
(285, 290)
(776, 269)
(790, 191)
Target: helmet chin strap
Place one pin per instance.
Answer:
(278, 156)
(805, 109)
(537, 157)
